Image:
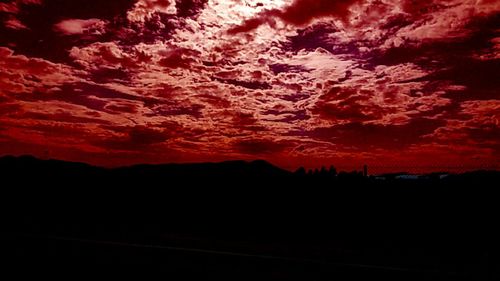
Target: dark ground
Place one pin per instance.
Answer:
(239, 220)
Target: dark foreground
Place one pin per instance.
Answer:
(240, 220)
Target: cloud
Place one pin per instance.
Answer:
(9, 109)
(141, 138)
(144, 9)
(254, 23)
(476, 124)
(21, 74)
(304, 11)
(191, 110)
(46, 20)
(259, 146)
(61, 116)
(79, 26)
(14, 6)
(254, 85)
(140, 135)
(286, 116)
(299, 13)
(313, 79)
(189, 8)
(178, 58)
(366, 137)
(9, 7)
(15, 24)
(105, 54)
(10, 10)
(476, 77)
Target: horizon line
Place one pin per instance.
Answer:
(351, 168)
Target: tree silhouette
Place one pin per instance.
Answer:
(332, 171)
(301, 172)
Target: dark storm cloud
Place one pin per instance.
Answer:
(94, 97)
(485, 135)
(8, 109)
(40, 39)
(456, 61)
(120, 108)
(303, 11)
(106, 75)
(214, 100)
(480, 79)
(287, 116)
(299, 13)
(259, 146)
(246, 121)
(56, 10)
(179, 58)
(286, 68)
(190, 8)
(476, 36)
(419, 8)
(43, 38)
(344, 103)
(135, 138)
(156, 27)
(64, 117)
(321, 35)
(141, 135)
(60, 130)
(253, 85)
(461, 61)
(359, 136)
(296, 97)
(396, 22)
(178, 109)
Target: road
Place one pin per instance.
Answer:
(187, 262)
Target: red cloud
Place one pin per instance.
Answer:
(346, 104)
(151, 81)
(79, 26)
(249, 25)
(178, 58)
(144, 136)
(14, 23)
(364, 137)
(303, 11)
(22, 74)
(145, 8)
(259, 146)
(299, 13)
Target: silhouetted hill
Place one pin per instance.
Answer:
(30, 168)
(429, 228)
(221, 171)
(32, 164)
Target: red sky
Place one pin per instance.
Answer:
(397, 84)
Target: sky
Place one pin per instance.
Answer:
(396, 84)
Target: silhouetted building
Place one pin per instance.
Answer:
(408, 177)
(365, 171)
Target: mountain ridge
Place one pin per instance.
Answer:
(258, 165)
